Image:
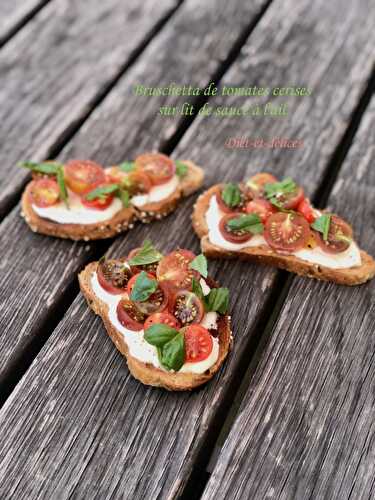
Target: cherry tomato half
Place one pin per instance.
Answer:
(132, 281)
(261, 207)
(305, 208)
(163, 318)
(245, 197)
(100, 203)
(115, 175)
(290, 201)
(286, 232)
(129, 316)
(157, 302)
(239, 236)
(340, 236)
(187, 308)
(137, 183)
(198, 343)
(174, 269)
(149, 268)
(257, 182)
(114, 275)
(81, 176)
(44, 192)
(160, 168)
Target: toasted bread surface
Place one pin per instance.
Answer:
(265, 255)
(146, 372)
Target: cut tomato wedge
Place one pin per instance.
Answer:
(261, 207)
(198, 343)
(340, 236)
(187, 308)
(305, 208)
(174, 269)
(44, 192)
(163, 318)
(286, 232)
(100, 203)
(129, 316)
(81, 176)
(114, 275)
(159, 168)
(239, 236)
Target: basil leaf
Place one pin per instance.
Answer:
(181, 168)
(199, 264)
(286, 186)
(249, 223)
(41, 168)
(321, 224)
(143, 288)
(146, 255)
(217, 300)
(172, 355)
(197, 289)
(124, 196)
(62, 188)
(159, 334)
(102, 192)
(231, 195)
(127, 166)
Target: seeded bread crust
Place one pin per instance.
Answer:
(120, 222)
(146, 372)
(264, 255)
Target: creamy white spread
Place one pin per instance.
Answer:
(142, 350)
(349, 258)
(157, 193)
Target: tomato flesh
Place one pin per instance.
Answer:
(163, 318)
(257, 182)
(100, 203)
(137, 183)
(340, 236)
(156, 302)
(44, 192)
(159, 168)
(82, 176)
(115, 175)
(187, 308)
(286, 232)
(113, 275)
(239, 236)
(129, 316)
(174, 269)
(305, 208)
(148, 268)
(290, 201)
(198, 343)
(261, 207)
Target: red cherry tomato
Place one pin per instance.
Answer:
(305, 208)
(82, 176)
(163, 318)
(149, 268)
(261, 207)
(198, 343)
(113, 275)
(286, 232)
(129, 316)
(100, 203)
(257, 182)
(160, 168)
(290, 201)
(239, 236)
(340, 236)
(132, 281)
(157, 301)
(44, 192)
(137, 183)
(115, 175)
(174, 269)
(187, 308)
(245, 196)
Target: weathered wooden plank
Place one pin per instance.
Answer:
(104, 434)
(13, 13)
(49, 266)
(56, 67)
(304, 429)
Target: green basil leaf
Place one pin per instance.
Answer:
(249, 223)
(199, 264)
(197, 288)
(124, 196)
(102, 192)
(146, 255)
(231, 195)
(172, 354)
(217, 300)
(143, 288)
(181, 168)
(286, 186)
(127, 166)
(321, 224)
(41, 168)
(62, 187)
(159, 334)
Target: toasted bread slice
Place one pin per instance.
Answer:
(145, 372)
(265, 255)
(122, 220)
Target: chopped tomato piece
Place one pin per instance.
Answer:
(187, 308)
(115, 175)
(100, 203)
(114, 275)
(286, 232)
(149, 268)
(305, 208)
(159, 168)
(261, 207)
(174, 269)
(340, 236)
(137, 183)
(290, 201)
(234, 236)
(82, 176)
(44, 192)
(198, 343)
(257, 182)
(163, 318)
(129, 315)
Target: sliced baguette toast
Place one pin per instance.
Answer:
(145, 372)
(122, 220)
(265, 255)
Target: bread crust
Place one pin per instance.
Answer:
(146, 372)
(122, 220)
(265, 255)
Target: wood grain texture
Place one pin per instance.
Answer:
(55, 68)
(100, 433)
(13, 13)
(108, 141)
(305, 426)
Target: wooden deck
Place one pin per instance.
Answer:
(291, 414)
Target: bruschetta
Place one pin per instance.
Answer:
(164, 314)
(272, 222)
(81, 200)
